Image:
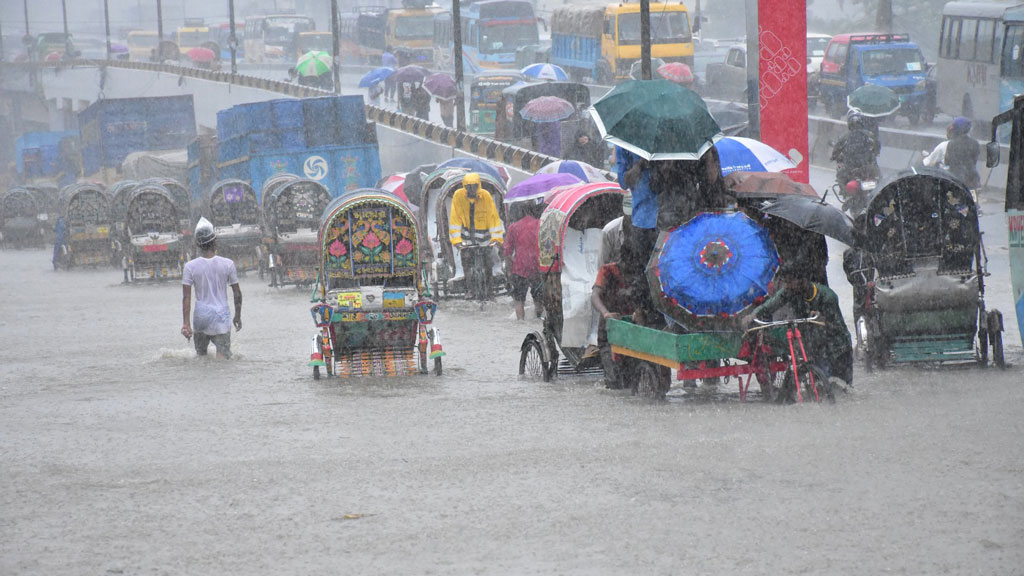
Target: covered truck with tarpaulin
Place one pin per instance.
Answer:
(327, 140)
(113, 128)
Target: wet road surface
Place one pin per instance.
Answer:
(122, 453)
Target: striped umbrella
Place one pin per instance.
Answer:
(544, 71)
(313, 63)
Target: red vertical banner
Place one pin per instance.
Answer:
(782, 75)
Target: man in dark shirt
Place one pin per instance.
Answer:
(962, 153)
(829, 346)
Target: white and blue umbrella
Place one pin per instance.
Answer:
(542, 71)
(748, 155)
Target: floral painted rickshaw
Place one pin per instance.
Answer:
(368, 300)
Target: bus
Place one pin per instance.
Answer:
(492, 32)
(972, 78)
(273, 37)
(193, 34)
(409, 31)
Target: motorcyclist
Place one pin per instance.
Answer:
(856, 153)
(474, 221)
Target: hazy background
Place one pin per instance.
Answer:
(920, 18)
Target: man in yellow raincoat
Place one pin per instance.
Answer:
(473, 227)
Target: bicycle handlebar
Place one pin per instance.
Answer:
(761, 324)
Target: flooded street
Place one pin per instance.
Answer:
(122, 453)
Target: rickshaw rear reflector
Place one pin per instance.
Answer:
(155, 248)
(316, 358)
(435, 349)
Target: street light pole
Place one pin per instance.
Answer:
(232, 37)
(159, 30)
(67, 39)
(645, 39)
(335, 57)
(460, 97)
(106, 24)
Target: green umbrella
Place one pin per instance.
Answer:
(313, 63)
(873, 101)
(656, 120)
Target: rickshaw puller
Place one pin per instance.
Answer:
(475, 222)
(829, 347)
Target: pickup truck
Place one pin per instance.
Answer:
(727, 80)
(889, 60)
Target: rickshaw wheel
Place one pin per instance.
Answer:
(997, 350)
(878, 350)
(825, 388)
(531, 362)
(771, 383)
(651, 381)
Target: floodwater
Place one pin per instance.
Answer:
(122, 453)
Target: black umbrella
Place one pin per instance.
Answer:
(814, 215)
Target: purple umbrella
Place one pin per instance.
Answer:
(536, 186)
(547, 109)
(440, 85)
(410, 74)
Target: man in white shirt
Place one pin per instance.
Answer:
(210, 275)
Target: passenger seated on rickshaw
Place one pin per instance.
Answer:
(474, 222)
(829, 347)
(612, 297)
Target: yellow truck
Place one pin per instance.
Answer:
(410, 33)
(142, 45)
(600, 44)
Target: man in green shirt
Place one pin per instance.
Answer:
(829, 346)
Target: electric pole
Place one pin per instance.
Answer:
(645, 39)
(335, 47)
(106, 24)
(460, 98)
(67, 39)
(159, 31)
(232, 37)
(883, 20)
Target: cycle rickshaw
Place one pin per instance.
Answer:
(232, 207)
(156, 247)
(20, 226)
(446, 276)
(704, 275)
(291, 221)
(85, 239)
(182, 201)
(569, 241)
(921, 271)
(369, 302)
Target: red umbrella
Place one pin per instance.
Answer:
(201, 55)
(676, 72)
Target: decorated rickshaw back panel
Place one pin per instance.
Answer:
(370, 239)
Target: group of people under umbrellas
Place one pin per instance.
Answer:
(667, 161)
(412, 87)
